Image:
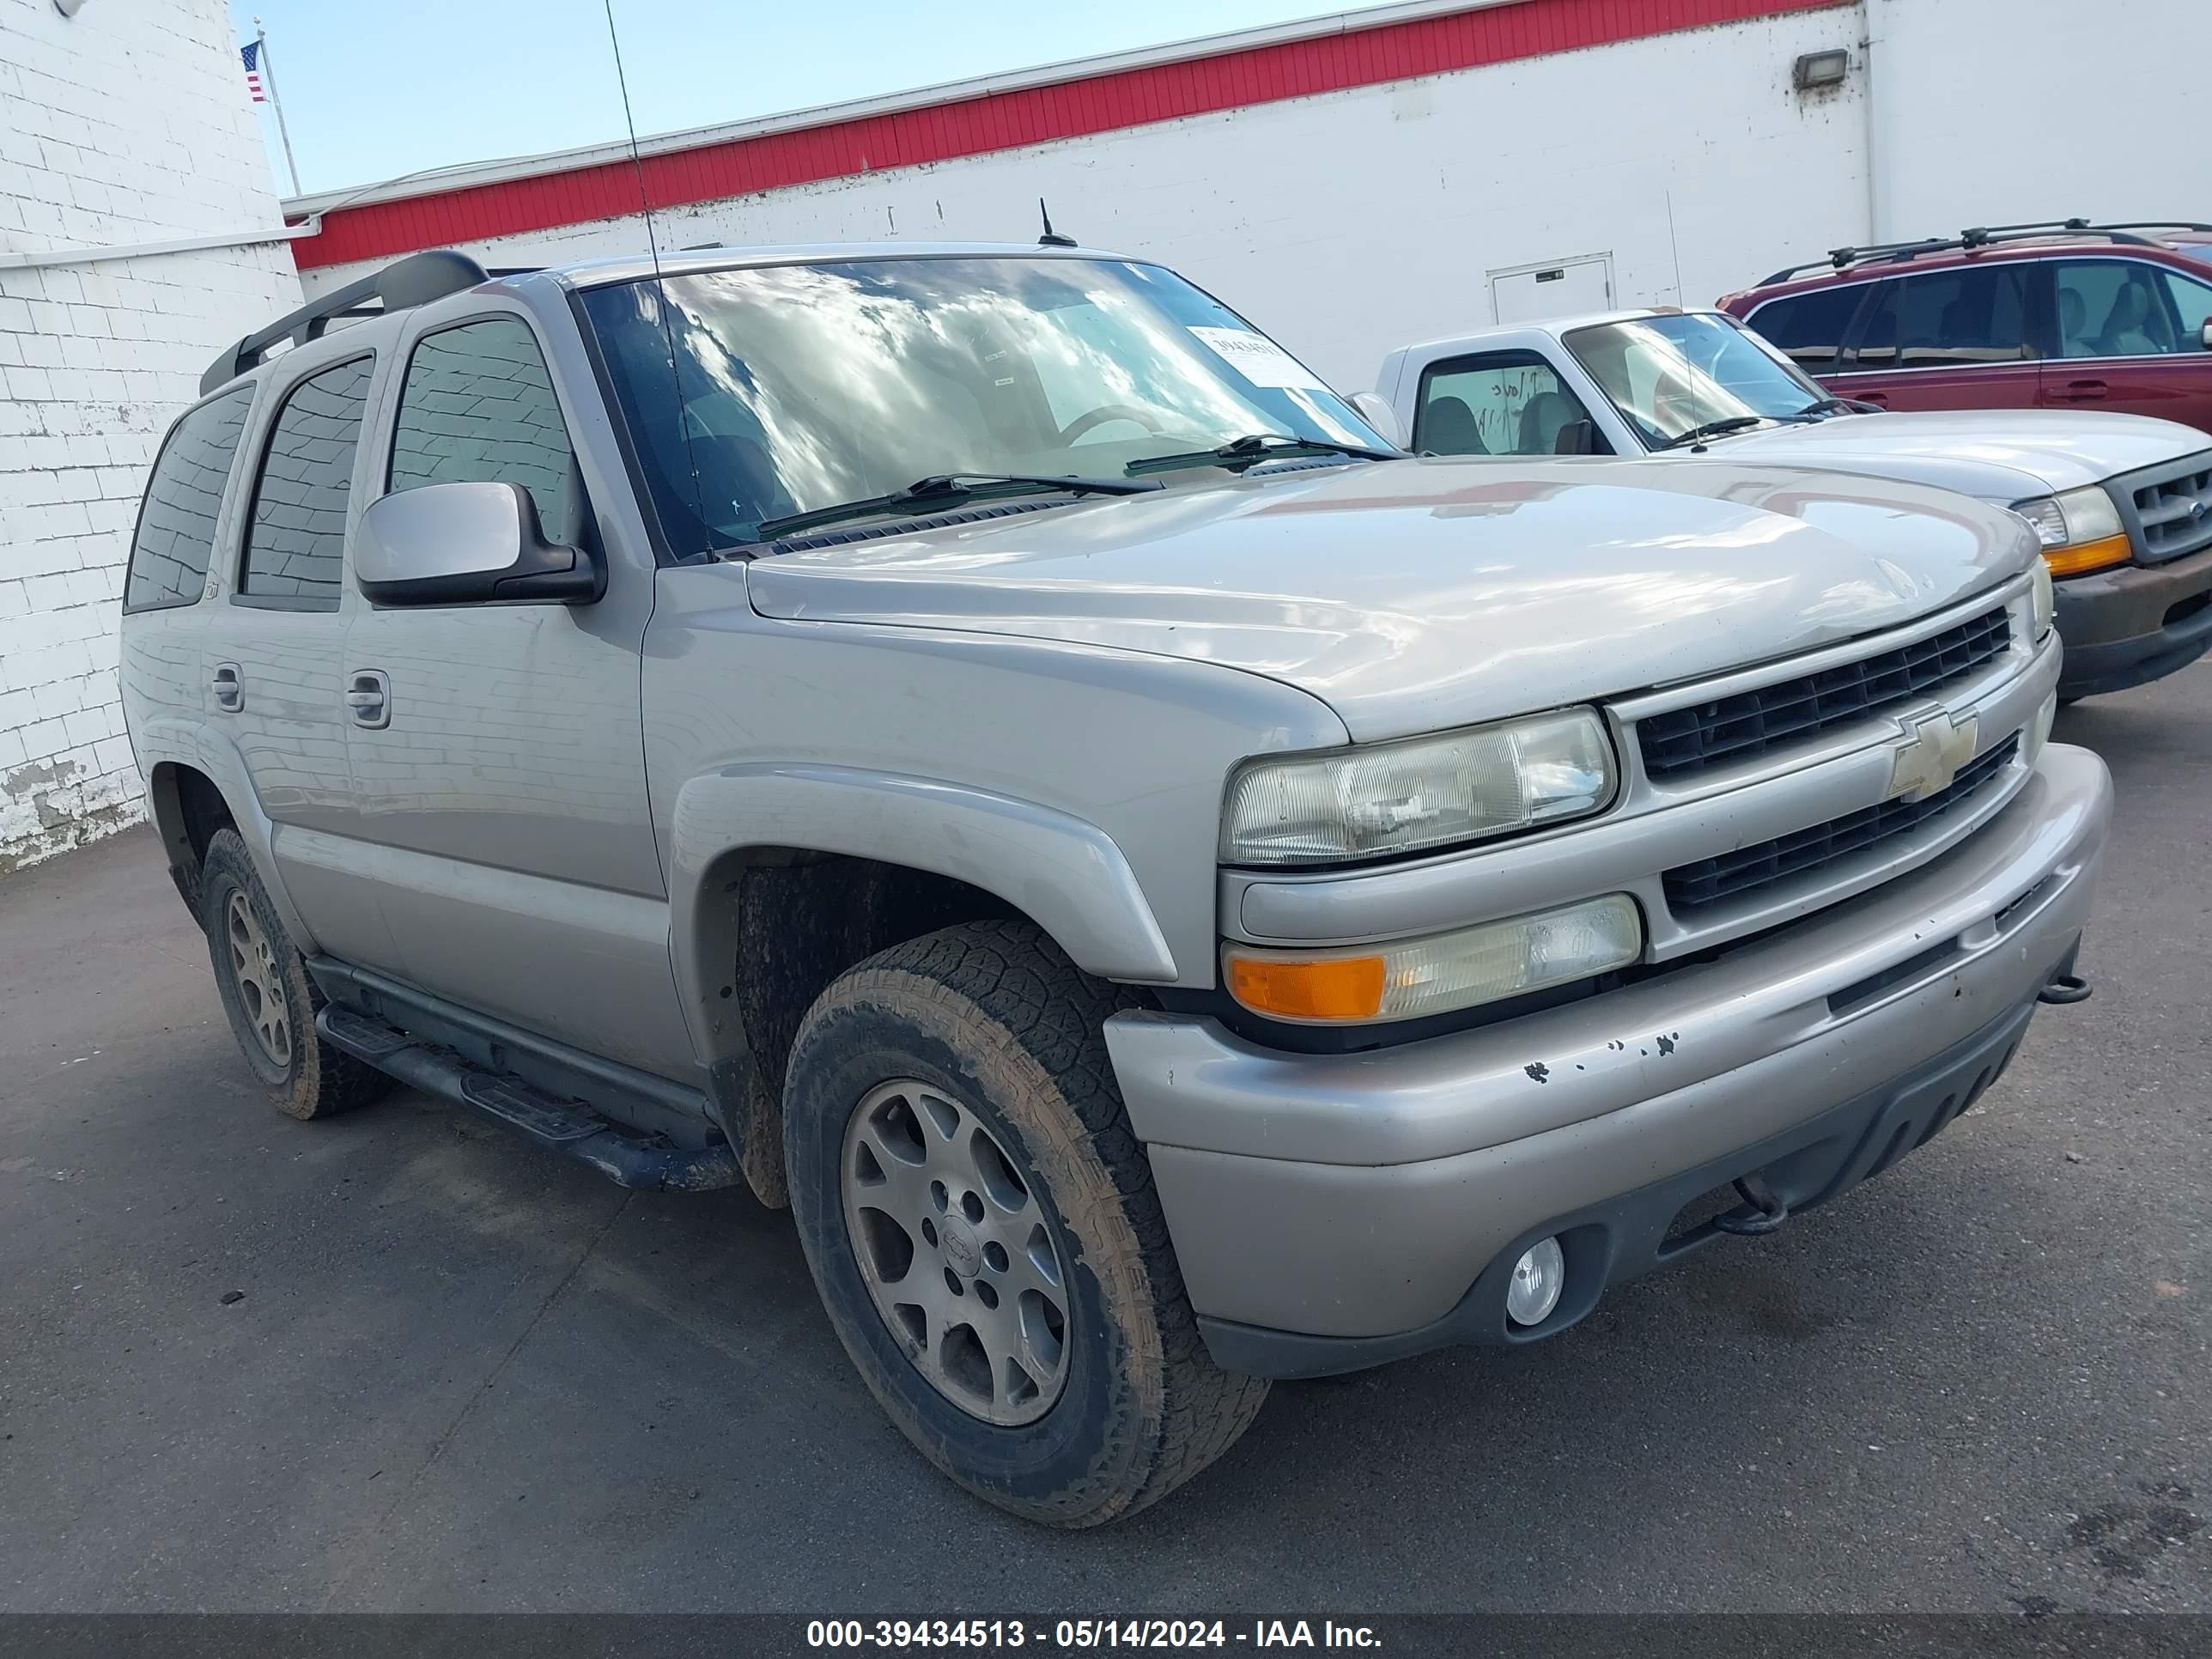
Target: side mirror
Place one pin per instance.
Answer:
(2205, 334)
(1575, 438)
(1375, 411)
(467, 543)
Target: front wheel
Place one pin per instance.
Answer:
(981, 1224)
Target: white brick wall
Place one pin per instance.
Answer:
(126, 123)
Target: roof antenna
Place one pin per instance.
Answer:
(653, 245)
(636, 159)
(1051, 237)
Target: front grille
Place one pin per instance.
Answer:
(1752, 722)
(2176, 513)
(1709, 881)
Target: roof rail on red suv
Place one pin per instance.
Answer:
(2130, 233)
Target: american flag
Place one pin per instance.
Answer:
(251, 53)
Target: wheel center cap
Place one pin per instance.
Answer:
(960, 1249)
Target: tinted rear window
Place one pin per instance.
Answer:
(295, 547)
(1963, 317)
(176, 524)
(1810, 327)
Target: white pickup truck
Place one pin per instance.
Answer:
(2122, 504)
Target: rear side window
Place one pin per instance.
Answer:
(176, 523)
(295, 545)
(1809, 328)
(1506, 403)
(1965, 318)
(478, 407)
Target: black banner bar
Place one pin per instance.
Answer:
(771, 1636)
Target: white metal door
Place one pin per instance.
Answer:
(1530, 293)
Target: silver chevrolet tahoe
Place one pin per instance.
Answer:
(984, 747)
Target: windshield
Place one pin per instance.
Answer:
(794, 388)
(1670, 375)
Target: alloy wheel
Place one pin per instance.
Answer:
(957, 1252)
(260, 989)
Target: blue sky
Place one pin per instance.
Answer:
(373, 91)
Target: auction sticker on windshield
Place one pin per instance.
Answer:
(1259, 359)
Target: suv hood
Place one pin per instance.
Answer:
(2000, 455)
(1415, 595)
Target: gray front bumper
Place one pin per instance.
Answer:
(1363, 1195)
(2136, 624)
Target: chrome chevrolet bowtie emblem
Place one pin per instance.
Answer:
(1935, 746)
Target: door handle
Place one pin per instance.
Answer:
(369, 694)
(1871, 397)
(229, 691)
(2082, 391)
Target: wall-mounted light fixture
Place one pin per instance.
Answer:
(1816, 70)
(68, 7)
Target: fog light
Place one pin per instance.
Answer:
(1538, 1278)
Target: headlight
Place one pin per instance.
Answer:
(1385, 798)
(2039, 598)
(1439, 974)
(2081, 530)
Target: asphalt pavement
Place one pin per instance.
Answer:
(404, 1361)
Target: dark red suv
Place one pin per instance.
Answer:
(2062, 315)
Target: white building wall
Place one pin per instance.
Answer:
(2000, 112)
(1348, 223)
(127, 124)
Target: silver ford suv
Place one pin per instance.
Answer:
(984, 747)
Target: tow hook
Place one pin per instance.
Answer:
(1763, 1212)
(2065, 989)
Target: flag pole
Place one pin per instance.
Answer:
(277, 104)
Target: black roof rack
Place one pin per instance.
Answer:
(416, 280)
(2157, 224)
(1898, 253)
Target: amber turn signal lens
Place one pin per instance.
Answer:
(1439, 972)
(1331, 988)
(2100, 555)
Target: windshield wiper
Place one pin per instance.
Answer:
(947, 490)
(1841, 406)
(1251, 450)
(1714, 430)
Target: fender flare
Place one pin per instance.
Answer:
(1064, 874)
(192, 744)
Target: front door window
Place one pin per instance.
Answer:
(2130, 308)
(1503, 403)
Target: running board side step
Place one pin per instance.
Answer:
(648, 1162)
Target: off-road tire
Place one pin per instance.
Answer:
(993, 1014)
(316, 1080)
